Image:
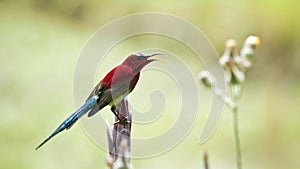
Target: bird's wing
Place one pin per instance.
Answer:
(104, 100)
(116, 83)
(121, 83)
(97, 90)
(122, 77)
(118, 75)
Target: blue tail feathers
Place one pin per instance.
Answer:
(72, 119)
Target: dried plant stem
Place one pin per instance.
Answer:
(205, 159)
(118, 138)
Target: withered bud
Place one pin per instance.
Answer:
(230, 53)
(253, 41)
(230, 44)
(207, 79)
(247, 52)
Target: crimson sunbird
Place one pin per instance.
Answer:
(111, 90)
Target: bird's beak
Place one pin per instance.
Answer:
(154, 59)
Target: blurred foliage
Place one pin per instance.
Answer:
(40, 41)
(276, 21)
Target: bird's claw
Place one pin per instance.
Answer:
(122, 121)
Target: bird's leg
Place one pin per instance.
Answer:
(119, 121)
(114, 110)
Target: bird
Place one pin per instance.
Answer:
(110, 91)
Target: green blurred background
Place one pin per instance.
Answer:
(40, 41)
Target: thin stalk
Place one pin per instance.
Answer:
(205, 159)
(227, 100)
(237, 138)
(236, 93)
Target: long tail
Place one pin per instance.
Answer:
(72, 119)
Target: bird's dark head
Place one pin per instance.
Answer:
(139, 60)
